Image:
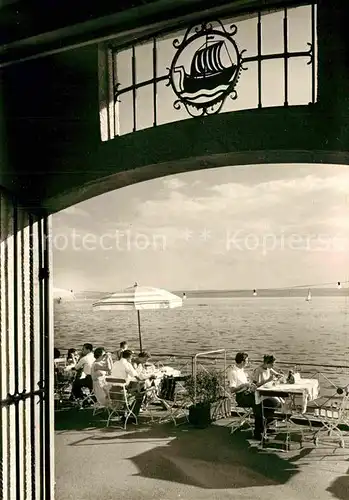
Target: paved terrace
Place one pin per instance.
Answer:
(163, 462)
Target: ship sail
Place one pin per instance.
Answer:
(208, 60)
(308, 299)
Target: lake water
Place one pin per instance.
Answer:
(292, 329)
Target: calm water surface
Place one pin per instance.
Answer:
(290, 328)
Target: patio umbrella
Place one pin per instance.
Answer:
(60, 294)
(138, 298)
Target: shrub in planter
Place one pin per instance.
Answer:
(209, 403)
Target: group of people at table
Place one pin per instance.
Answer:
(94, 367)
(246, 389)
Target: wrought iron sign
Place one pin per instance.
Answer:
(203, 74)
(206, 68)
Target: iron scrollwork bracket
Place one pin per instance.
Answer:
(310, 53)
(16, 397)
(205, 68)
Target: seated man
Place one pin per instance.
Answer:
(123, 369)
(83, 372)
(123, 347)
(244, 390)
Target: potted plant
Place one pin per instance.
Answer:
(210, 403)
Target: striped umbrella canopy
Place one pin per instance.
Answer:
(62, 295)
(138, 298)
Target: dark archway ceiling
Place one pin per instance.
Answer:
(30, 28)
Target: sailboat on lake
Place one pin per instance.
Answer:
(308, 299)
(207, 71)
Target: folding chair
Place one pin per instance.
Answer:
(244, 415)
(172, 396)
(334, 420)
(119, 402)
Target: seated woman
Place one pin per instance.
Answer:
(263, 374)
(141, 363)
(72, 357)
(71, 360)
(99, 370)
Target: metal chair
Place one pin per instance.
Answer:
(333, 420)
(119, 402)
(172, 397)
(244, 415)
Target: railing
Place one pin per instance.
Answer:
(205, 354)
(330, 377)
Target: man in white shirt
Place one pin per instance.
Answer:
(123, 369)
(244, 390)
(83, 371)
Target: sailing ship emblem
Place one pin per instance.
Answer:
(205, 69)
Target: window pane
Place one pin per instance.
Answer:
(299, 28)
(299, 81)
(126, 113)
(145, 107)
(144, 62)
(272, 33)
(124, 69)
(273, 83)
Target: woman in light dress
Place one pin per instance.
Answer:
(101, 368)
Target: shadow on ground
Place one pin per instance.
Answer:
(71, 418)
(207, 458)
(340, 487)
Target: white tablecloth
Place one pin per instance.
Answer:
(308, 388)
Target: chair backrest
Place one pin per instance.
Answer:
(117, 392)
(168, 389)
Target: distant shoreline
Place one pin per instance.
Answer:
(275, 293)
(263, 293)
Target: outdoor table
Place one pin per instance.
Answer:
(307, 388)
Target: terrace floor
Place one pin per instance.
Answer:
(163, 462)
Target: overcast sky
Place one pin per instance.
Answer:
(227, 228)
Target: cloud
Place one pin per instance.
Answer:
(273, 200)
(174, 183)
(74, 210)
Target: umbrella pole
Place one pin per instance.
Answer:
(139, 331)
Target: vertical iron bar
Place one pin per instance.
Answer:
(313, 37)
(110, 87)
(2, 361)
(134, 96)
(3, 356)
(107, 93)
(32, 355)
(47, 353)
(155, 70)
(286, 56)
(41, 355)
(24, 346)
(7, 330)
(16, 345)
(259, 62)
(113, 91)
